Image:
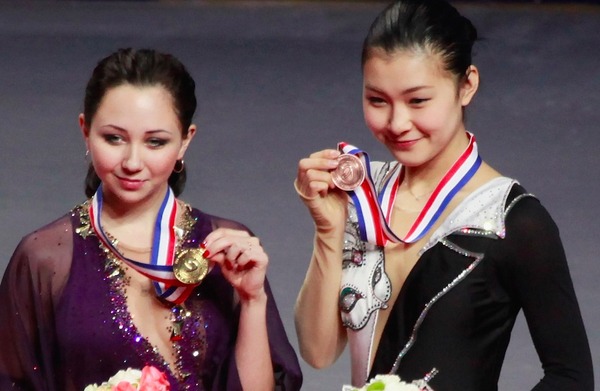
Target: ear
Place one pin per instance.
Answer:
(469, 85)
(186, 141)
(84, 130)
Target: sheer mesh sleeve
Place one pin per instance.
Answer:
(541, 282)
(286, 368)
(37, 287)
(30, 290)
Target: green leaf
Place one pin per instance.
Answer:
(377, 386)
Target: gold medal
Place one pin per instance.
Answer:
(190, 267)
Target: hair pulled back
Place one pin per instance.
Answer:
(142, 68)
(430, 25)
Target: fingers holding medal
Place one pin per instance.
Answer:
(234, 249)
(314, 177)
(242, 258)
(328, 169)
(322, 183)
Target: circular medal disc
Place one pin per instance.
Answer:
(190, 267)
(350, 172)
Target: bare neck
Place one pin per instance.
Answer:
(425, 177)
(116, 213)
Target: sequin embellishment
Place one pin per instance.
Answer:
(188, 333)
(348, 299)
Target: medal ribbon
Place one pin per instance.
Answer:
(374, 211)
(160, 268)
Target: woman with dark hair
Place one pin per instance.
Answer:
(134, 277)
(426, 262)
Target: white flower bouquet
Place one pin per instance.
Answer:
(394, 383)
(148, 379)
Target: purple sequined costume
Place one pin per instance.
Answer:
(64, 322)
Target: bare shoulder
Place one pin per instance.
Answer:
(484, 174)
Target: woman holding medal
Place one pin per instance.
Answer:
(425, 261)
(134, 276)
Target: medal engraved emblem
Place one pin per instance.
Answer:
(350, 172)
(190, 267)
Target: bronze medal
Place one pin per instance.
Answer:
(350, 172)
(190, 267)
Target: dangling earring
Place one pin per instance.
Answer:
(179, 166)
(87, 155)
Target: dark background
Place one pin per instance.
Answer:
(278, 80)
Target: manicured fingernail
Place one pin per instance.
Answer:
(206, 253)
(203, 245)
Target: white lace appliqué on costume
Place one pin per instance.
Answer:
(365, 287)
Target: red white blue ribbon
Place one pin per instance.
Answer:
(374, 210)
(160, 268)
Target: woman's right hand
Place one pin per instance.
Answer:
(325, 202)
(321, 342)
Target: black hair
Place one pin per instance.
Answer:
(432, 25)
(143, 67)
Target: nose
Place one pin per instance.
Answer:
(399, 119)
(132, 161)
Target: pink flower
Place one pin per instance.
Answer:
(123, 386)
(153, 380)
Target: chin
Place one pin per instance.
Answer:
(128, 196)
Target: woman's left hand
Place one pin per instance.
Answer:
(242, 259)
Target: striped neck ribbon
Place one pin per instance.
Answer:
(164, 245)
(374, 209)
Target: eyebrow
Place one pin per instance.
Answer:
(404, 92)
(151, 131)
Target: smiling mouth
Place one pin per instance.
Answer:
(130, 184)
(404, 143)
(130, 180)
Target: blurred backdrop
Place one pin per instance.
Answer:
(278, 80)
